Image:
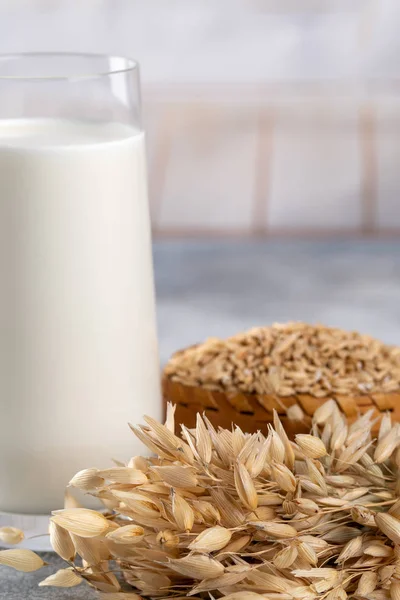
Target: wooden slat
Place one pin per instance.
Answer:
(348, 405)
(386, 401)
(309, 403)
(240, 403)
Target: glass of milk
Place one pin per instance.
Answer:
(78, 344)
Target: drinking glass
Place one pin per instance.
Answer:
(78, 344)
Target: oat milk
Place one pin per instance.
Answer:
(78, 348)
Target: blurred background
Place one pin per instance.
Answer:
(263, 116)
(273, 130)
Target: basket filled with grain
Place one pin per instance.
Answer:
(293, 368)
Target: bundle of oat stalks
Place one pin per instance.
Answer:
(226, 514)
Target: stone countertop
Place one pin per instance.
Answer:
(219, 288)
(207, 289)
(24, 586)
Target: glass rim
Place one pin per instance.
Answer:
(131, 65)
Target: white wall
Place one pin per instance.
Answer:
(215, 40)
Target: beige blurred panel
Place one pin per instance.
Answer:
(211, 175)
(388, 158)
(316, 170)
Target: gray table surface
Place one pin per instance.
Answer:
(218, 288)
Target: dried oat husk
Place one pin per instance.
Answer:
(227, 514)
(11, 535)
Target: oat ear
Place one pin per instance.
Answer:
(21, 560)
(170, 417)
(64, 578)
(81, 521)
(11, 535)
(212, 539)
(61, 542)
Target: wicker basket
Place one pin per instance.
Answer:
(253, 412)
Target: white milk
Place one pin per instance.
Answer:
(78, 348)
